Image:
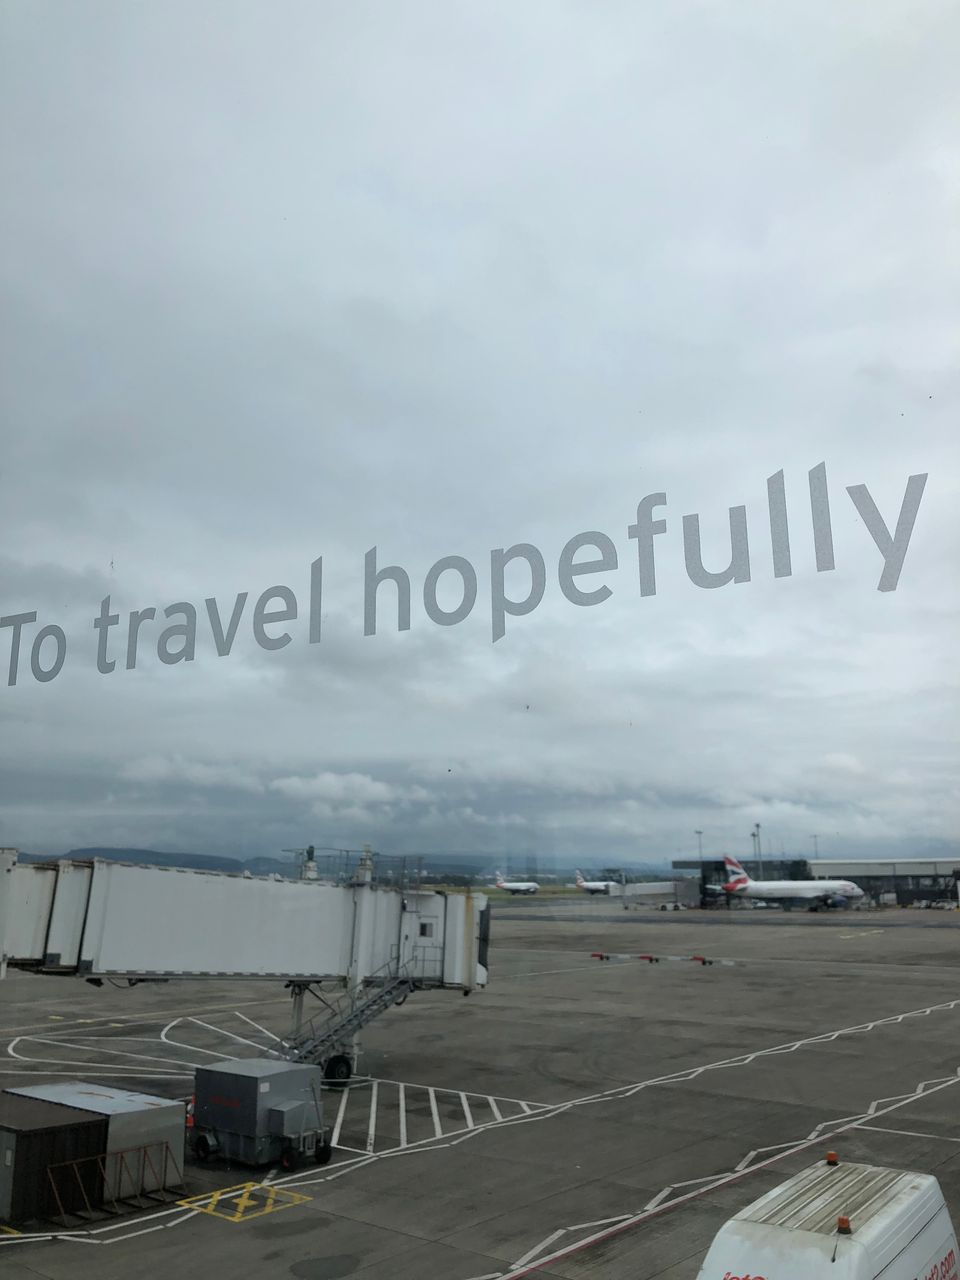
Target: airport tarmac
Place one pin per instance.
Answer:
(579, 1118)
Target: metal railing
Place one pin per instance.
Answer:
(385, 987)
(116, 1178)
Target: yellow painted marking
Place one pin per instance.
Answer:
(9, 1231)
(248, 1200)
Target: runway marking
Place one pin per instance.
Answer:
(414, 1104)
(232, 1036)
(416, 1084)
(372, 1126)
(538, 973)
(467, 1114)
(179, 1044)
(119, 1053)
(97, 1235)
(335, 1139)
(249, 1200)
(86, 1069)
(534, 1259)
(258, 1027)
(436, 1115)
(544, 1244)
(861, 933)
(908, 1133)
(133, 1019)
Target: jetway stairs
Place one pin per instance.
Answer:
(325, 1039)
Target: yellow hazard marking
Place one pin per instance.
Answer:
(8, 1231)
(248, 1200)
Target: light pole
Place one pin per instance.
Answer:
(816, 851)
(699, 835)
(759, 854)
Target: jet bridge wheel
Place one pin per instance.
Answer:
(323, 1152)
(289, 1159)
(338, 1069)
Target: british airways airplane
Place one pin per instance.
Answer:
(825, 893)
(595, 886)
(516, 886)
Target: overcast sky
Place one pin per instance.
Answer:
(286, 281)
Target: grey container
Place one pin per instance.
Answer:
(148, 1131)
(255, 1109)
(36, 1136)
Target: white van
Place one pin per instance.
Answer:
(842, 1221)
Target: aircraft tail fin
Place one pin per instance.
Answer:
(580, 880)
(738, 877)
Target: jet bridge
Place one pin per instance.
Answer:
(100, 919)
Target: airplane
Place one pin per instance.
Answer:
(516, 886)
(595, 886)
(819, 893)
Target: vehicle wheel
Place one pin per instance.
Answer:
(323, 1153)
(338, 1069)
(289, 1159)
(202, 1148)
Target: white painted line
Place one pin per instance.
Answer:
(418, 1084)
(924, 1089)
(372, 1124)
(402, 1104)
(539, 973)
(601, 1222)
(438, 1128)
(544, 1244)
(88, 1069)
(118, 1053)
(908, 1133)
(138, 1019)
(220, 1031)
(497, 1113)
(213, 1053)
(185, 1218)
(660, 1205)
(335, 1139)
(258, 1027)
(526, 1107)
(467, 1114)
